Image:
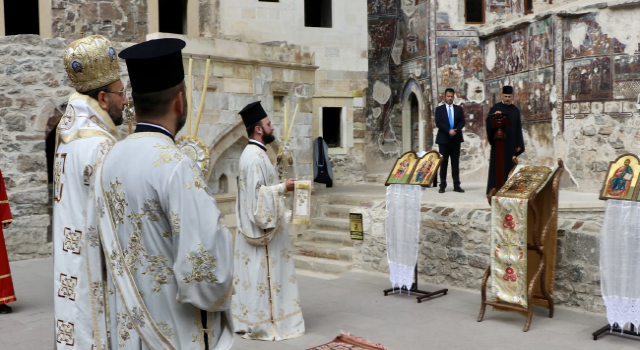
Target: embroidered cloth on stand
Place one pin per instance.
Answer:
(302, 203)
(402, 228)
(509, 228)
(619, 258)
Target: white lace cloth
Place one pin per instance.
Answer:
(402, 228)
(620, 262)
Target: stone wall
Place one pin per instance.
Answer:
(454, 250)
(118, 20)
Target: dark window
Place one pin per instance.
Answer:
(331, 120)
(223, 185)
(474, 11)
(317, 13)
(269, 0)
(528, 7)
(173, 16)
(21, 17)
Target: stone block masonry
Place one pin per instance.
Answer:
(455, 247)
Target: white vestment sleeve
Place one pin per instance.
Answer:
(203, 246)
(266, 201)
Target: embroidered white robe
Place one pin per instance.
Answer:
(266, 305)
(170, 254)
(85, 135)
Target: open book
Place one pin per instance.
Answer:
(628, 177)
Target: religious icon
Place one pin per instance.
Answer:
(622, 178)
(403, 169)
(426, 169)
(77, 67)
(519, 186)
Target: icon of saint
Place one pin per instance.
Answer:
(620, 183)
(402, 170)
(424, 171)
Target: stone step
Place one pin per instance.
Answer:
(314, 274)
(353, 200)
(325, 250)
(321, 265)
(335, 210)
(321, 236)
(333, 224)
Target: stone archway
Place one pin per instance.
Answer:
(235, 135)
(412, 104)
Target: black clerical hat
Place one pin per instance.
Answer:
(154, 65)
(507, 89)
(252, 113)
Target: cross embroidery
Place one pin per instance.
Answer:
(68, 287)
(58, 171)
(72, 241)
(65, 333)
(88, 171)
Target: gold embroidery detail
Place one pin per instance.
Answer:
(198, 181)
(134, 248)
(167, 154)
(285, 254)
(261, 315)
(276, 288)
(93, 237)
(245, 258)
(292, 279)
(88, 172)
(100, 207)
(5, 276)
(262, 289)
(68, 287)
(117, 263)
(72, 241)
(165, 330)
(152, 209)
(117, 202)
(175, 223)
(96, 290)
(202, 267)
(58, 171)
(124, 327)
(65, 333)
(245, 285)
(158, 270)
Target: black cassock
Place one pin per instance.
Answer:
(513, 140)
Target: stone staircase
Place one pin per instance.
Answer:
(326, 246)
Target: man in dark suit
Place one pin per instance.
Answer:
(450, 121)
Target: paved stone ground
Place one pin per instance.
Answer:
(354, 303)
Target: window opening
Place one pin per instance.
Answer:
(173, 16)
(21, 17)
(474, 11)
(317, 13)
(223, 184)
(528, 7)
(331, 126)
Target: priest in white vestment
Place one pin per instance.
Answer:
(266, 305)
(168, 252)
(85, 134)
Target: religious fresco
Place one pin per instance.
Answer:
(626, 77)
(583, 37)
(504, 7)
(587, 79)
(520, 83)
(442, 21)
(622, 178)
(426, 170)
(540, 38)
(493, 91)
(413, 24)
(415, 69)
(515, 48)
(381, 7)
(458, 59)
(494, 53)
(540, 86)
(474, 118)
(382, 33)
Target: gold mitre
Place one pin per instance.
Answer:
(91, 63)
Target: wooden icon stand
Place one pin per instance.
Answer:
(414, 289)
(544, 247)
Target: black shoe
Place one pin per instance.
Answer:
(5, 309)
(441, 190)
(458, 190)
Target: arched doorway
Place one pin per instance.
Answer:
(413, 120)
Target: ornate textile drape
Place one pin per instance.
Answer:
(402, 228)
(619, 258)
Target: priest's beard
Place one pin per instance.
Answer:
(182, 119)
(114, 113)
(268, 138)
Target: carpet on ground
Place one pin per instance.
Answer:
(349, 342)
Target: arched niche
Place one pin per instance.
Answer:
(413, 118)
(225, 156)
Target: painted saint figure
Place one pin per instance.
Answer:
(424, 171)
(519, 186)
(402, 169)
(621, 181)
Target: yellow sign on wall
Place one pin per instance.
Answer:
(356, 226)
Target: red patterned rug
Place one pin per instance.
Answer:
(349, 342)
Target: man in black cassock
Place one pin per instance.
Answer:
(513, 142)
